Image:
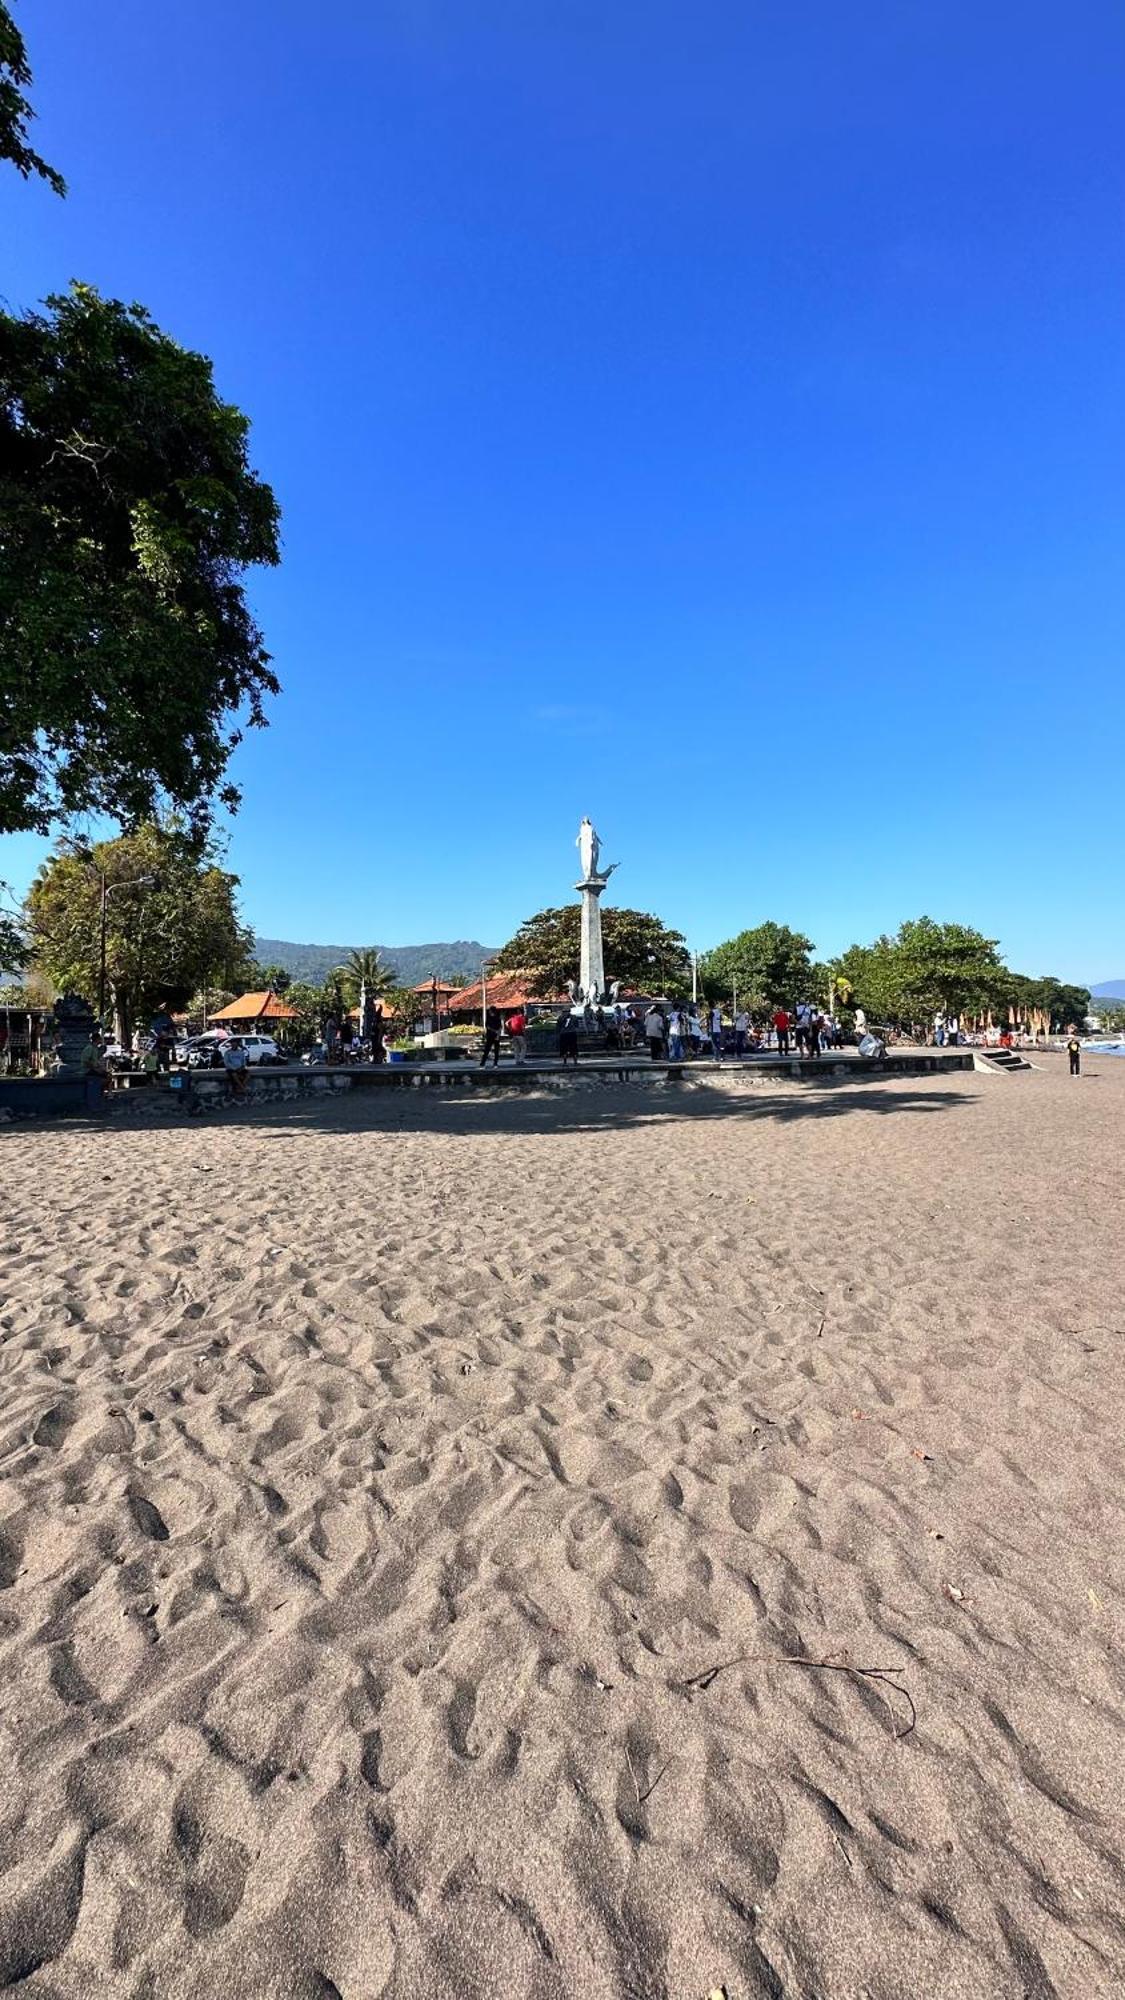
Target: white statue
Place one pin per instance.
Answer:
(589, 850)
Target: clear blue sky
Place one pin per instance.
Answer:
(710, 418)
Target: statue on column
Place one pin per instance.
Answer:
(589, 852)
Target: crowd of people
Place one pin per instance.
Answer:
(671, 1030)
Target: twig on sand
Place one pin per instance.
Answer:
(645, 1793)
(649, 1789)
(878, 1675)
(632, 1774)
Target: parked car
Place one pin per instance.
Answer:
(201, 1051)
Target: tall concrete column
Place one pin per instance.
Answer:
(592, 973)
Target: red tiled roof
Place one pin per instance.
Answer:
(257, 1007)
(503, 990)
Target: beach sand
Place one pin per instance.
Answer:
(377, 1474)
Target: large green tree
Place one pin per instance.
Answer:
(270, 978)
(873, 976)
(16, 112)
(128, 654)
(925, 966)
(765, 965)
(639, 950)
(171, 921)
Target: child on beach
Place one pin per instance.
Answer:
(1074, 1051)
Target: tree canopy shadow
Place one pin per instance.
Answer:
(608, 1106)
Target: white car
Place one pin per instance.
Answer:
(205, 1051)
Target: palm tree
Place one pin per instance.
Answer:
(366, 969)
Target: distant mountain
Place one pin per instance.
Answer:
(1110, 989)
(412, 962)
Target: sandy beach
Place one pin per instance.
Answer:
(382, 1481)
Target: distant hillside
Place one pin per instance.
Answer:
(412, 962)
(1110, 989)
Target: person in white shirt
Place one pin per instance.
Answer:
(676, 1035)
(654, 1033)
(741, 1030)
(717, 1033)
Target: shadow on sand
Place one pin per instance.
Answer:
(608, 1107)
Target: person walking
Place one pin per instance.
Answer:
(801, 1027)
(741, 1030)
(716, 1025)
(1074, 1051)
(781, 1030)
(654, 1032)
(492, 1028)
(517, 1029)
(568, 1038)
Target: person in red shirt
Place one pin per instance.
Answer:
(517, 1027)
(781, 1024)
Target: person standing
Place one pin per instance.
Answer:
(517, 1029)
(492, 1028)
(860, 1024)
(654, 1032)
(801, 1027)
(377, 1025)
(1074, 1051)
(675, 1036)
(781, 1030)
(741, 1030)
(717, 1032)
(93, 1073)
(939, 1030)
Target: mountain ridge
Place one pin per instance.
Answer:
(412, 962)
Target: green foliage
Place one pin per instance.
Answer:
(1048, 1002)
(127, 650)
(365, 968)
(13, 944)
(308, 1001)
(639, 951)
(923, 967)
(926, 966)
(874, 979)
(768, 964)
(400, 1006)
(164, 938)
(270, 979)
(1111, 1014)
(16, 112)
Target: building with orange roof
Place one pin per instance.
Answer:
(254, 1009)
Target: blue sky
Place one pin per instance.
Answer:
(707, 418)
